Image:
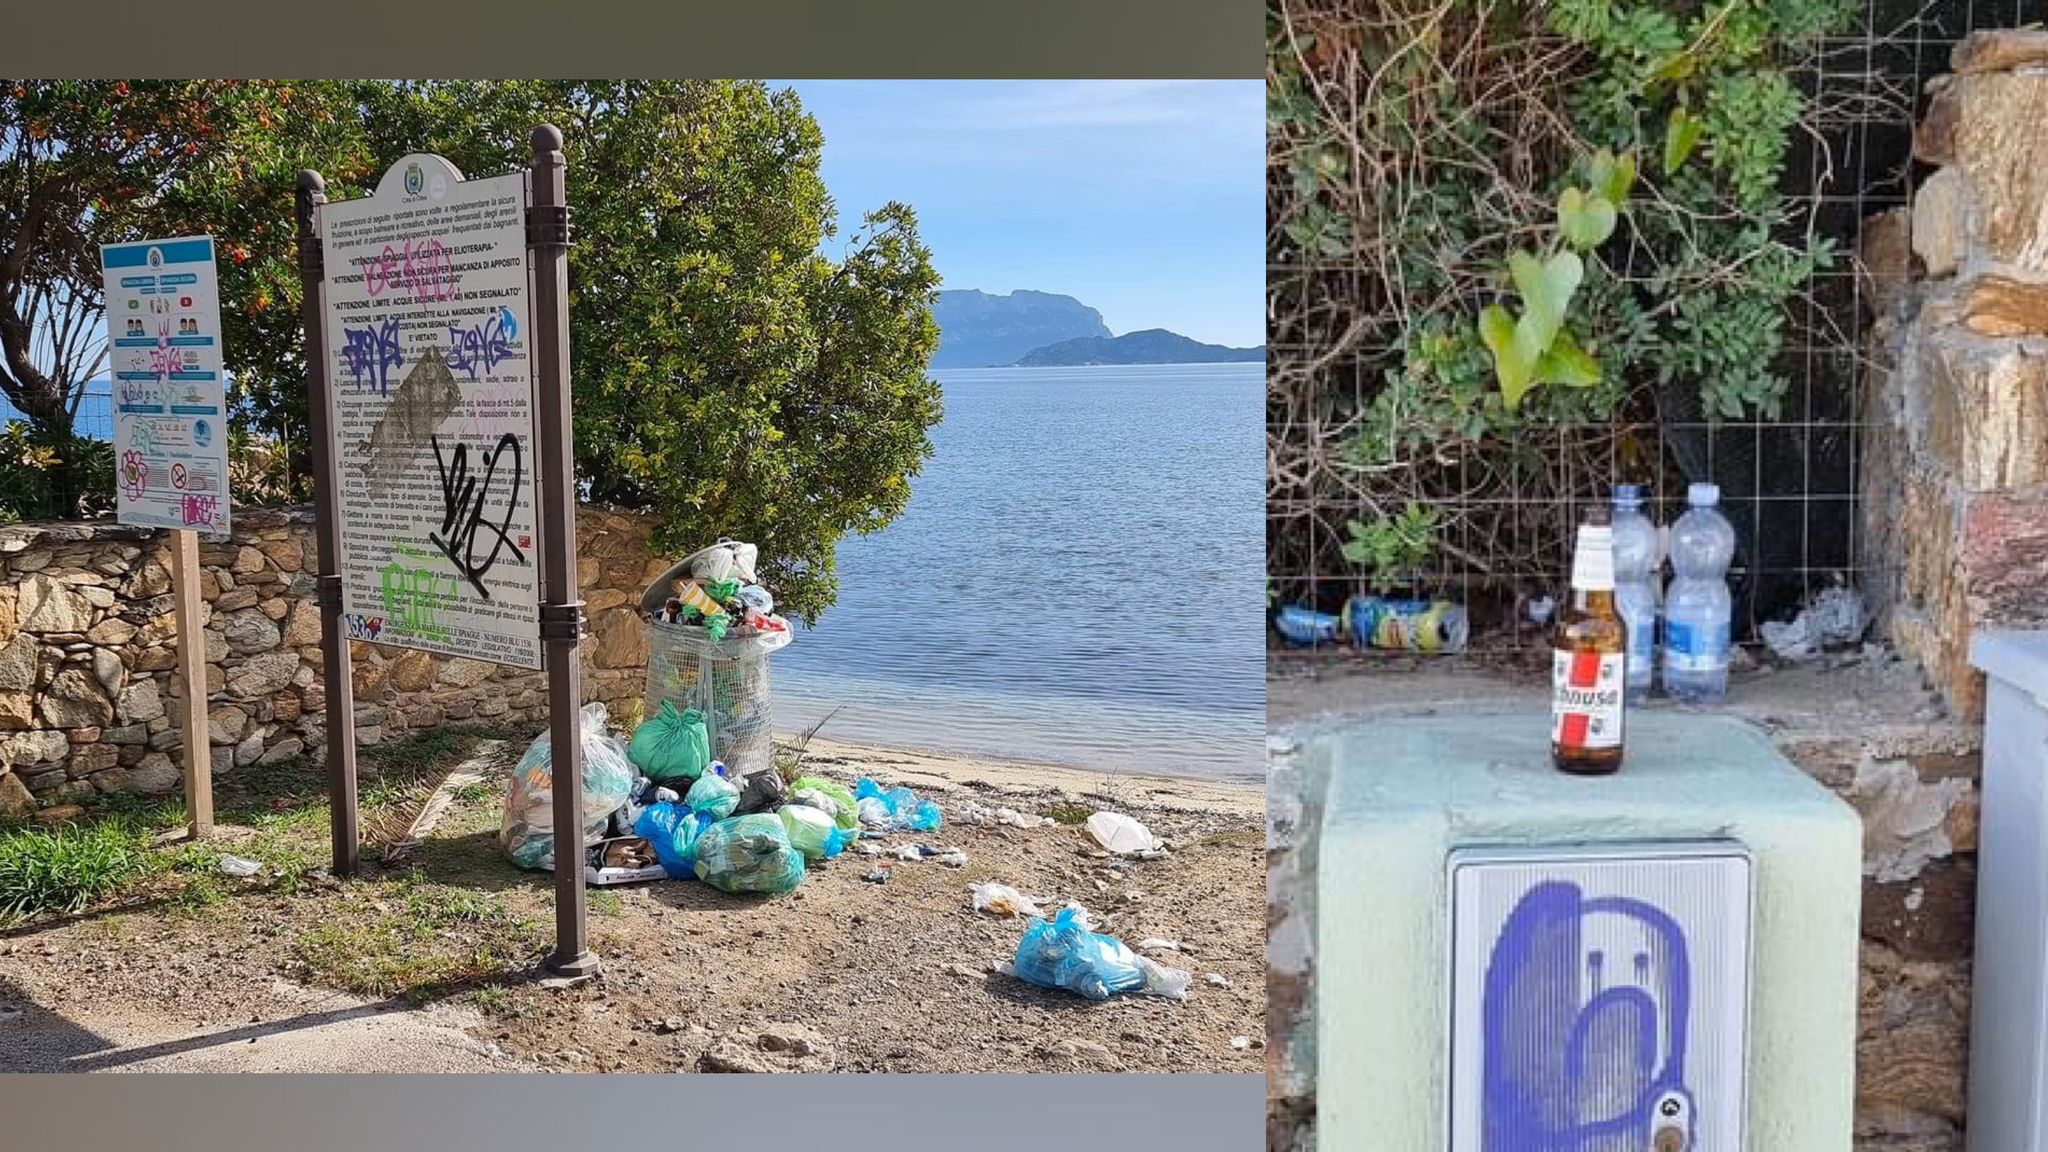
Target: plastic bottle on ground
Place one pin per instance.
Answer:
(1636, 581)
(1697, 607)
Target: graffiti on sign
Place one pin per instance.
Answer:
(464, 500)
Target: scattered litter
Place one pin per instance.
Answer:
(749, 854)
(1835, 617)
(1065, 953)
(868, 848)
(909, 852)
(953, 858)
(1240, 1043)
(895, 809)
(1303, 626)
(877, 876)
(973, 813)
(1133, 897)
(1003, 900)
(1155, 944)
(1217, 979)
(1121, 834)
(1540, 608)
(1017, 819)
(828, 796)
(237, 866)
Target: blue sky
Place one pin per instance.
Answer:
(1144, 199)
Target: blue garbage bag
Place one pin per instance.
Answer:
(896, 809)
(1065, 953)
(673, 830)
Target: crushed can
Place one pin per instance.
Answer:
(1405, 625)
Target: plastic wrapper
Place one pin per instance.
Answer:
(713, 794)
(897, 809)
(672, 744)
(1003, 900)
(749, 854)
(527, 833)
(1066, 953)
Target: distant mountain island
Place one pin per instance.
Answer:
(981, 330)
(1043, 329)
(1149, 346)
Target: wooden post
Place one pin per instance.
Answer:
(192, 666)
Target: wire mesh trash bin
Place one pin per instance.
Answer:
(725, 679)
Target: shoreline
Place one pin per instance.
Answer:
(938, 771)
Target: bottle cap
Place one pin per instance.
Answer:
(1703, 495)
(1593, 560)
(1628, 496)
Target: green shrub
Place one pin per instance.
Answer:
(61, 870)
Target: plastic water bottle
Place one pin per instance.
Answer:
(1697, 608)
(1635, 587)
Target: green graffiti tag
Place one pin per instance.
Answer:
(413, 599)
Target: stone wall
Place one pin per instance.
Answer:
(88, 654)
(1955, 473)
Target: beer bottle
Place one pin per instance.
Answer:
(1588, 660)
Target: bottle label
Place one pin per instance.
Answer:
(1695, 647)
(1586, 698)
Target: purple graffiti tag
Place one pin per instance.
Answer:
(1581, 1052)
(478, 346)
(200, 510)
(373, 350)
(421, 266)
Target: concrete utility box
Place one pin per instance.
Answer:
(1511, 959)
(2009, 1025)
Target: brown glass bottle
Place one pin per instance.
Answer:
(1589, 651)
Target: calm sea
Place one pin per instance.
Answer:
(1074, 582)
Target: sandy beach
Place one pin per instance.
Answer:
(430, 965)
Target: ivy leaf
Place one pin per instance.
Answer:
(1586, 221)
(1516, 370)
(1546, 289)
(1567, 364)
(1681, 136)
(1612, 176)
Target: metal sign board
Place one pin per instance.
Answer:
(427, 324)
(1599, 998)
(170, 405)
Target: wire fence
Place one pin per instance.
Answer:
(1790, 486)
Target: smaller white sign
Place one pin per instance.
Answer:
(170, 405)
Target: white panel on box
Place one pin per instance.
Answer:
(1599, 998)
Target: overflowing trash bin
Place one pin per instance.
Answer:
(711, 628)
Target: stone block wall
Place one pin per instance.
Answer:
(1955, 462)
(88, 654)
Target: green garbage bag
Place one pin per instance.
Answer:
(845, 810)
(810, 829)
(671, 745)
(749, 854)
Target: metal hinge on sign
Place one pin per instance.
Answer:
(547, 225)
(562, 621)
(330, 592)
